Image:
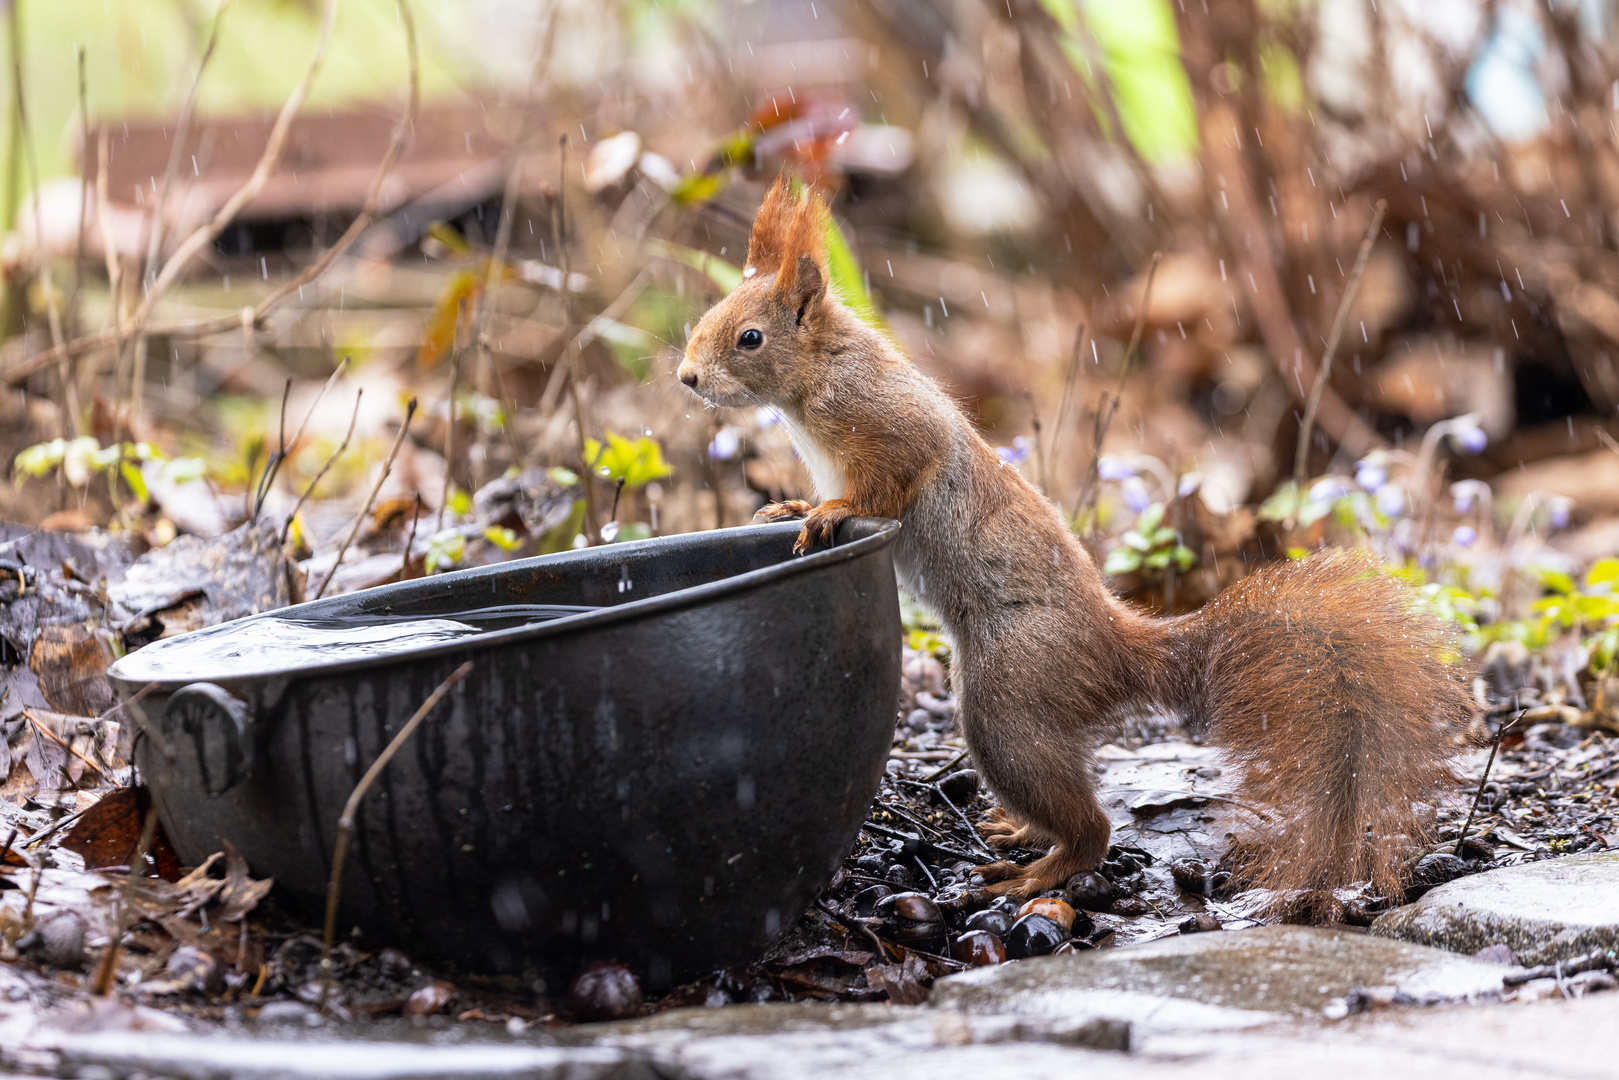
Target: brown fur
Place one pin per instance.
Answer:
(1319, 677)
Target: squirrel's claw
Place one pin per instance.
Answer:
(786, 510)
(820, 524)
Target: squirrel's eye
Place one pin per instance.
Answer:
(750, 339)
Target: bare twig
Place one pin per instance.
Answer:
(65, 745)
(1324, 372)
(42, 258)
(1109, 407)
(1061, 424)
(1467, 825)
(273, 465)
(182, 130)
(109, 960)
(456, 349)
(345, 823)
(342, 446)
(359, 519)
(588, 333)
(410, 541)
(84, 188)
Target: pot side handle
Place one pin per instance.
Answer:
(220, 726)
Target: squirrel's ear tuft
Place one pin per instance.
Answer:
(772, 228)
(803, 274)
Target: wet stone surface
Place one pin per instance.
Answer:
(1557, 909)
(1267, 972)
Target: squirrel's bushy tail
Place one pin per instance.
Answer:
(1331, 689)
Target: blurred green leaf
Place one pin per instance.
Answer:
(503, 538)
(131, 473)
(445, 550)
(720, 272)
(636, 463)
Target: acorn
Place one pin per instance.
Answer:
(979, 948)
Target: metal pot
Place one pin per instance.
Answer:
(667, 781)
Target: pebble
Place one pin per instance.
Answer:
(960, 787)
(57, 944)
(866, 900)
(990, 920)
(1198, 877)
(919, 720)
(898, 875)
(429, 999)
(1431, 870)
(943, 708)
(875, 865)
(912, 917)
(605, 991)
(1201, 923)
(1055, 910)
(1129, 907)
(1090, 891)
(925, 673)
(393, 963)
(1033, 935)
(196, 970)
(979, 948)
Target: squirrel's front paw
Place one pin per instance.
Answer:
(786, 510)
(820, 524)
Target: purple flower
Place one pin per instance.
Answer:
(1371, 474)
(1558, 507)
(1109, 467)
(1391, 500)
(1468, 436)
(1329, 489)
(725, 445)
(1465, 535)
(1464, 499)
(1135, 494)
(766, 417)
(1188, 484)
(1018, 452)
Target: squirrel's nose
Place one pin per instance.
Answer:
(689, 378)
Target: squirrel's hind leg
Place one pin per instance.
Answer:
(1004, 831)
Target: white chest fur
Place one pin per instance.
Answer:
(824, 473)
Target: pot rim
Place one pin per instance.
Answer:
(882, 536)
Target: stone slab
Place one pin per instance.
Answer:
(1222, 979)
(1545, 911)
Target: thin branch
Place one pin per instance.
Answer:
(1482, 780)
(182, 131)
(1068, 385)
(53, 315)
(1109, 408)
(1324, 373)
(359, 519)
(84, 186)
(321, 475)
(345, 823)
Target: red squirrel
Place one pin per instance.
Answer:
(1319, 677)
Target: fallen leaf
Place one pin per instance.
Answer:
(108, 833)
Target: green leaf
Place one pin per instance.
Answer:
(39, 459)
(636, 463)
(1122, 560)
(1603, 571)
(460, 502)
(563, 477)
(445, 550)
(183, 470)
(1283, 503)
(1158, 560)
(1557, 581)
(848, 281)
(1150, 518)
(698, 187)
(720, 272)
(635, 530)
(1185, 557)
(1133, 539)
(1164, 537)
(137, 483)
(503, 538)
